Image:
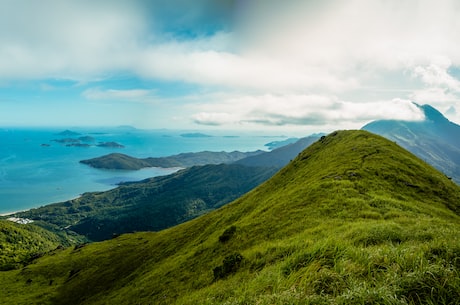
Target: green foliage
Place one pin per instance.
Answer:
(153, 204)
(228, 233)
(354, 219)
(230, 265)
(20, 244)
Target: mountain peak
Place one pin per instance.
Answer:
(432, 114)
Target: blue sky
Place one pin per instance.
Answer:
(281, 66)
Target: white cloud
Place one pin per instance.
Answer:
(435, 74)
(301, 111)
(281, 63)
(66, 39)
(213, 118)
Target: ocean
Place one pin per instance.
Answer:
(41, 166)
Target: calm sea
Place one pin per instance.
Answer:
(35, 169)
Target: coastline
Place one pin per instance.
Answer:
(11, 213)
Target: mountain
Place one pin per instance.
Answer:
(280, 156)
(152, 204)
(278, 144)
(354, 219)
(435, 140)
(121, 161)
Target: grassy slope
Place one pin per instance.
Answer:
(20, 243)
(353, 219)
(153, 204)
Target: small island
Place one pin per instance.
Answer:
(87, 139)
(66, 140)
(78, 145)
(195, 135)
(110, 144)
(68, 133)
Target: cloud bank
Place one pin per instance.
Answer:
(255, 63)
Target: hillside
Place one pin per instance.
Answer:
(152, 204)
(354, 219)
(121, 161)
(20, 243)
(155, 204)
(435, 139)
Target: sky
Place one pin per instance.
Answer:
(292, 67)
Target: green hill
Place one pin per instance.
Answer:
(121, 161)
(354, 219)
(152, 204)
(21, 243)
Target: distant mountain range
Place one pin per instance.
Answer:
(353, 219)
(435, 140)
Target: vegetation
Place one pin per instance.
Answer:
(162, 202)
(153, 204)
(20, 244)
(121, 161)
(354, 219)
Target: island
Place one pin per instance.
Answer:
(125, 162)
(87, 139)
(110, 144)
(195, 135)
(68, 133)
(66, 140)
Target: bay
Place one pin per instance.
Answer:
(41, 166)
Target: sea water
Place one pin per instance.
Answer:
(37, 167)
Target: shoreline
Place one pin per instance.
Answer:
(12, 213)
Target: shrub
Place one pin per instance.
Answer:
(230, 265)
(228, 233)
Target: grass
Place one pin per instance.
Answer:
(21, 244)
(152, 204)
(354, 219)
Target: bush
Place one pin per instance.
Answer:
(228, 233)
(230, 265)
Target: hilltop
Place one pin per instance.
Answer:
(353, 219)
